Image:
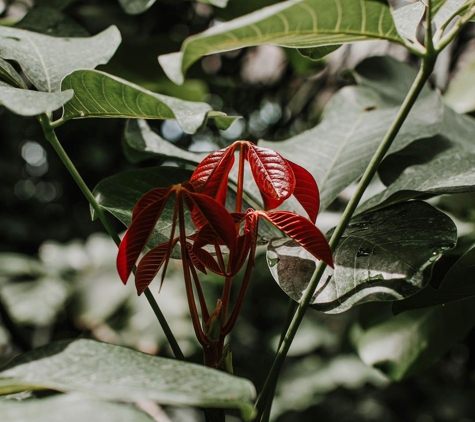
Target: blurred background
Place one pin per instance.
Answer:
(57, 267)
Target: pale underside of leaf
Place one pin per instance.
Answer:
(47, 60)
(294, 23)
(408, 18)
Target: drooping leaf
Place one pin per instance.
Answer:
(116, 373)
(31, 103)
(135, 7)
(382, 256)
(10, 75)
(71, 408)
(338, 150)
(303, 232)
(458, 284)
(294, 23)
(306, 191)
(141, 138)
(408, 343)
(408, 18)
(98, 94)
(118, 194)
(47, 60)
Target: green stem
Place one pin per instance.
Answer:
(50, 135)
(424, 73)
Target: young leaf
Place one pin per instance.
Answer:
(447, 10)
(117, 373)
(47, 60)
(382, 256)
(306, 191)
(407, 19)
(293, 23)
(31, 103)
(408, 343)
(98, 94)
(71, 408)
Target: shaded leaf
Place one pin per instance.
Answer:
(139, 136)
(294, 23)
(47, 60)
(408, 343)
(117, 373)
(135, 7)
(460, 94)
(317, 53)
(32, 103)
(338, 150)
(97, 94)
(71, 408)
(381, 257)
(10, 75)
(458, 284)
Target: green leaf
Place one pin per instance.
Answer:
(447, 10)
(460, 94)
(31, 103)
(118, 194)
(47, 60)
(408, 18)
(294, 23)
(381, 257)
(408, 343)
(50, 21)
(10, 75)
(317, 53)
(458, 284)
(426, 168)
(139, 137)
(97, 94)
(116, 373)
(134, 7)
(338, 150)
(70, 408)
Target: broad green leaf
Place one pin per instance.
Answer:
(117, 373)
(98, 94)
(381, 257)
(47, 60)
(134, 7)
(460, 94)
(70, 408)
(31, 103)
(458, 284)
(293, 23)
(447, 10)
(50, 21)
(338, 150)
(411, 341)
(10, 75)
(118, 194)
(139, 137)
(408, 18)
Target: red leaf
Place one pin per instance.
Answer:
(218, 217)
(303, 231)
(194, 259)
(206, 259)
(137, 236)
(271, 203)
(150, 265)
(274, 177)
(306, 190)
(211, 175)
(150, 197)
(243, 246)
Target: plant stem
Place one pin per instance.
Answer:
(422, 76)
(50, 135)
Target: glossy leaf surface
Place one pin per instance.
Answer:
(120, 374)
(382, 256)
(458, 284)
(342, 147)
(294, 23)
(47, 60)
(97, 94)
(71, 408)
(31, 103)
(410, 342)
